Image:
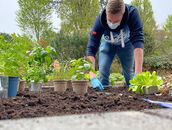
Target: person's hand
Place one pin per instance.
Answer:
(96, 83)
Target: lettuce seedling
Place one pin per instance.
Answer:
(145, 79)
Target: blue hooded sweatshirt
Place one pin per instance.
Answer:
(129, 30)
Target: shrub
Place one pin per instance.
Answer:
(116, 66)
(157, 62)
(70, 46)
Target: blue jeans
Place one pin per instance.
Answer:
(107, 53)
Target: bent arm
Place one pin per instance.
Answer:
(92, 59)
(137, 38)
(138, 56)
(94, 42)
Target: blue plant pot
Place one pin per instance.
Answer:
(12, 86)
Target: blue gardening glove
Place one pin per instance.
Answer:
(96, 83)
(133, 77)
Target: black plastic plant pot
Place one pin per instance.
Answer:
(151, 90)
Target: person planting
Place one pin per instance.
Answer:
(121, 27)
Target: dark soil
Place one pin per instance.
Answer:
(50, 103)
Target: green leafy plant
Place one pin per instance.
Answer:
(61, 74)
(114, 77)
(80, 69)
(39, 64)
(13, 58)
(36, 74)
(145, 79)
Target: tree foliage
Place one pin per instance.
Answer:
(56, 6)
(7, 37)
(149, 44)
(34, 17)
(146, 13)
(168, 29)
(78, 15)
(168, 25)
(160, 43)
(103, 3)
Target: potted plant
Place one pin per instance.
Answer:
(145, 83)
(116, 79)
(12, 60)
(39, 65)
(60, 77)
(63, 71)
(79, 70)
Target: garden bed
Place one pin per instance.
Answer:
(50, 103)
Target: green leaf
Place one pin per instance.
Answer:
(87, 66)
(80, 67)
(145, 79)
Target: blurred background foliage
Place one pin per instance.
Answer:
(77, 18)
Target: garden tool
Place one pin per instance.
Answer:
(164, 104)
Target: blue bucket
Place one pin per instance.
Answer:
(12, 86)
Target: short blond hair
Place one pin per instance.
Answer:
(115, 6)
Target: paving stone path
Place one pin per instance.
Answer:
(132, 120)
